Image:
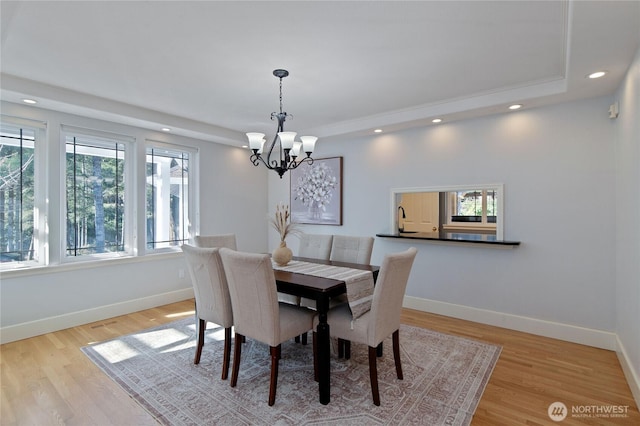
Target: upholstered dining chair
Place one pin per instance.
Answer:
(345, 248)
(213, 302)
(382, 320)
(315, 246)
(257, 313)
(222, 240)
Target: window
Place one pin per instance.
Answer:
(95, 194)
(18, 219)
(471, 207)
(70, 198)
(169, 208)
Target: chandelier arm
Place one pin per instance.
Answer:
(294, 165)
(280, 162)
(273, 144)
(256, 159)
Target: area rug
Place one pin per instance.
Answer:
(444, 377)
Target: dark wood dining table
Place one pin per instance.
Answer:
(321, 290)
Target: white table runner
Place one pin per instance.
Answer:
(359, 282)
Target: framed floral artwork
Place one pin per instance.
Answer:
(316, 192)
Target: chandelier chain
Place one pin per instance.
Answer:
(280, 95)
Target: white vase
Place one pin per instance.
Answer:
(283, 254)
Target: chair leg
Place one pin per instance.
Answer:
(344, 348)
(275, 358)
(314, 343)
(396, 353)
(373, 375)
(237, 348)
(202, 325)
(302, 337)
(226, 356)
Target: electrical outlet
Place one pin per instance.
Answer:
(180, 273)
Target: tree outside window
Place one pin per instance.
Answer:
(473, 206)
(17, 154)
(95, 196)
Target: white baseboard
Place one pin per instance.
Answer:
(629, 372)
(42, 326)
(585, 336)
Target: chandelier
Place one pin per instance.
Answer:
(288, 148)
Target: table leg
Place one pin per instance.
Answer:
(324, 349)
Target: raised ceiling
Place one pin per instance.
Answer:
(204, 68)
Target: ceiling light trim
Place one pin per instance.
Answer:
(424, 113)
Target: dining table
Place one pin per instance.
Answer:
(321, 290)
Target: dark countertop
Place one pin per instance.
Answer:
(455, 237)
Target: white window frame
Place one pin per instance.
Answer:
(39, 193)
(193, 216)
(484, 224)
(128, 217)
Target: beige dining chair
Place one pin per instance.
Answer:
(345, 248)
(382, 320)
(222, 240)
(213, 302)
(257, 313)
(315, 246)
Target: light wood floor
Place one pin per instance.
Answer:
(47, 380)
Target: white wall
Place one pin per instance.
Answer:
(627, 225)
(232, 199)
(557, 167)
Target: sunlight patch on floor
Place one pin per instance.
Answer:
(115, 351)
(218, 334)
(180, 314)
(161, 338)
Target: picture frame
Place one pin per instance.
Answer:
(316, 192)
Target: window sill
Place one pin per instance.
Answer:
(88, 264)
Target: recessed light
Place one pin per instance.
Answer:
(377, 131)
(515, 106)
(29, 101)
(245, 146)
(166, 129)
(437, 120)
(597, 74)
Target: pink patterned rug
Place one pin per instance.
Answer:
(444, 377)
